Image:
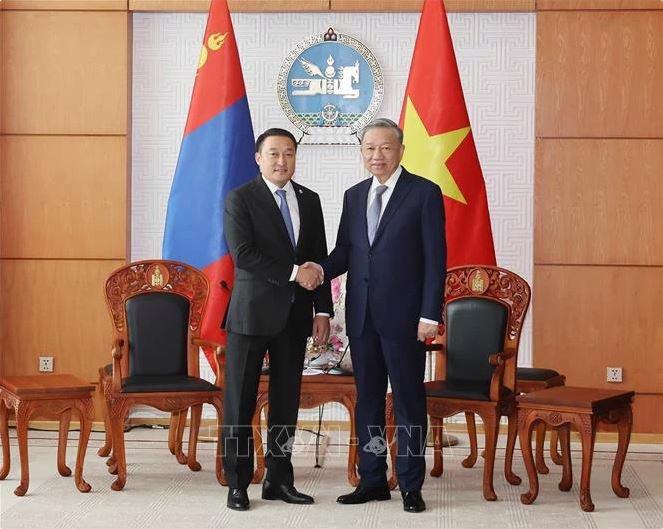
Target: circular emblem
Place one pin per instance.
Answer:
(157, 276)
(330, 86)
(478, 281)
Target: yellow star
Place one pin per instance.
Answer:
(427, 155)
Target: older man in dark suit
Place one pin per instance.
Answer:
(391, 243)
(272, 226)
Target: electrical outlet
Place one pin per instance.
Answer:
(45, 364)
(614, 374)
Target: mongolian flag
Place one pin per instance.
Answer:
(438, 140)
(216, 155)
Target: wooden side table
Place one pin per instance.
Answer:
(586, 409)
(52, 394)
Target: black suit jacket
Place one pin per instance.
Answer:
(263, 297)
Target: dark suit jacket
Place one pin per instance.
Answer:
(400, 277)
(263, 298)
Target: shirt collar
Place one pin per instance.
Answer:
(391, 181)
(273, 188)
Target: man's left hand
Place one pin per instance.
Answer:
(426, 330)
(320, 329)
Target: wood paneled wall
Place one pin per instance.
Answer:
(598, 238)
(63, 179)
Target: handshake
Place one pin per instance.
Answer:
(310, 275)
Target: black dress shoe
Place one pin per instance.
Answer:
(365, 494)
(286, 493)
(238, 500)
(413, 502)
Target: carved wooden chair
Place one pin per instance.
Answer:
(156, 308)
(475, 363)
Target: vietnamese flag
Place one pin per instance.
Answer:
(216, 155)
(438, 140)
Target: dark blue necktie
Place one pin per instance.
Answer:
(285, 213)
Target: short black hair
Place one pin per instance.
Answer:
(274, 132)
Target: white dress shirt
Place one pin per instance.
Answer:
(391, 184)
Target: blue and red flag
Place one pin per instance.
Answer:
(216, 155)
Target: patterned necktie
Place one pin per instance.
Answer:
(373, 213)
(285, 213)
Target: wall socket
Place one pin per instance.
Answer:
(614, 374)
(45, 364)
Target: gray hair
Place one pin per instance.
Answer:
(381, 123)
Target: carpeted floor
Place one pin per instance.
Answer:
(161, 494)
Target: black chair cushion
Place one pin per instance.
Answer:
(157, 325)
(475, 329)
(458, 389)
(535, 373)
(152, 384)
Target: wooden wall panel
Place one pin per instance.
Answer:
(64, 197)
(598, 202)
(65, 72)
(599, 74)
(589, 318)
(648, 413)
(451, 5)
(55, 308)
(570, 5)
(70, 5)
(235, 6)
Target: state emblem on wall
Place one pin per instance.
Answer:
(329, 87)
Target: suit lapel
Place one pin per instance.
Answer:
(364, 189)
(397, 196)
(304, 212)
(268, 204)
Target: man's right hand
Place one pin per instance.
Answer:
(310, 275)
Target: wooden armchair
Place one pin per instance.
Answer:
(475, 363)
(156, 308)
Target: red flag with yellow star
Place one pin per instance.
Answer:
(438, 140)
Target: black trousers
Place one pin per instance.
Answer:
(403, 361)
(244, 358)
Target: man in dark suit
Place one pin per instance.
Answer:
(391, 243)
(272, 226)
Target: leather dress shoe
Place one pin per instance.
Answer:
(238, 500)
(413, 502)
(286, 493)
(365, 494)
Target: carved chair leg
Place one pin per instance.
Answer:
(23, 410)
(65, 420)
(179, 435)
(540, 430)
(567, 470)
(258, 443)
(108, 438)
(218, 458)
(526, 421)
(624, 426)
(4, 435)
(555, 455)
(587, 427)
(194, 428)
(438, 460)
(172, 431)
(512, 433)
(117, 429)
(86, 414)
(392, 444)
(491, 423)
(471, 459)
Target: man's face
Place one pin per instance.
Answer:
(381, 152)
(276, 159)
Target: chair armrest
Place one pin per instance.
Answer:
(117, 353)
(219, 351)
(497, 381)
(499, 358)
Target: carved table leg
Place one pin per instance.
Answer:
(491, 422)
(471, 459)
(526, 419)
(86, 413)
(353, 453)
(624, 427)
(438, 456)
(541, 466)
(65, 420)
(512, 432)
(23, 412)
(4, 435)
(566, 482)
(554, 454)
(586, 425)
(194, 428)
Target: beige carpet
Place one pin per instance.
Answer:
(161, 494)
